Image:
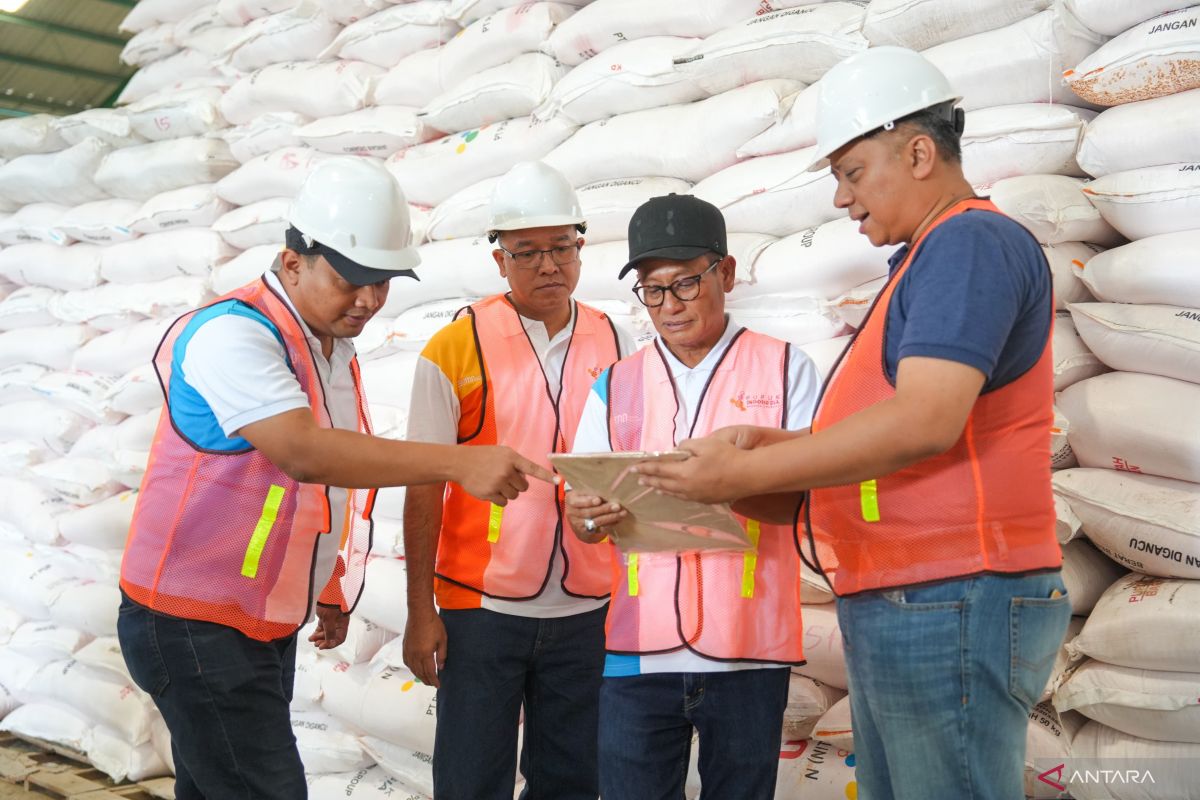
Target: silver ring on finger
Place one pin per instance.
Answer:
(589, 525)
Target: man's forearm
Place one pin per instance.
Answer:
(350, 459)
(876, 441)
(422, 524)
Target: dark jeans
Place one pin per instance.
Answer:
(225, 699)
(646, 724)
(494, 664)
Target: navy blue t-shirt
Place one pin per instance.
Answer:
(978, 293)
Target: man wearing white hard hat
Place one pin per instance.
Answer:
(241, 531)
(522, 601)
(928, 468)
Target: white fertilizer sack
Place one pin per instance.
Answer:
(1025, 139)
(629, 76)
(1148, 524)
(140, 172)
(1158, 57)
(432, 172)
(776, 195)
(509, 90)
(1156, 339)
(1163, 129)
(921, 24)
(632, 144)
(1053, 208)
(1149, 201)
(377, 131)
(796, 43)
(388, 36)
(1140, 423)
(265, 134)
(1144, 623)
(1159, 269)
(1020, 63)
(261, 223)
(316, 89)
(1152, 704)
(196, 206)
(280, 173)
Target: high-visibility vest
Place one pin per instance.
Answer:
(507, 551)
(984, 506)
(725, 605)
(228, 537)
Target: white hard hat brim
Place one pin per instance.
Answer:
(827, 149)
(546, 221)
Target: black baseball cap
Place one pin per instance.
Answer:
(675, 226)
(352, 271)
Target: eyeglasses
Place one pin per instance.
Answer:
(529, 259)
(684, 289)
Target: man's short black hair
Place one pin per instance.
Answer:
(943, 124)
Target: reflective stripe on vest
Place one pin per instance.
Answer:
(507, 552)
(228, 537)
(983, 506)
(723, 605)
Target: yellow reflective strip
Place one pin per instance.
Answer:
(868, 494)
(262, 530)
(494, 519)
(631, 562)
(750, 558)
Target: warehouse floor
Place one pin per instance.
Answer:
(9, 791)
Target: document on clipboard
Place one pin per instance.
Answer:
(657, 522)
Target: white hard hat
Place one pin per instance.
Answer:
(873, 89)
(533, 195)
(351, 211)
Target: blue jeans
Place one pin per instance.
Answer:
(942, 679)
(224, 697)
(646, 724)
(494, 664)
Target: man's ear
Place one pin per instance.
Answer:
(728, 272)
(499, 256)
(292, 262)
(922, 155)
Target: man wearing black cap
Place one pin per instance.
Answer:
(696, 642)
(241, 530)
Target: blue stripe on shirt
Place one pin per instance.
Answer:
(193, 417)
(600, 387)
(616, 666)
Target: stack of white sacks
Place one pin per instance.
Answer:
(1134, 431)
(119, 219)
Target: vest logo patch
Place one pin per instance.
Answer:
(594, 372)
(744, 402)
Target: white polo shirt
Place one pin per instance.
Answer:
(239, 368)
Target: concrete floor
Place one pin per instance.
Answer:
(10, 792)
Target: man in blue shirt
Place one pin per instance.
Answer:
(927, 465)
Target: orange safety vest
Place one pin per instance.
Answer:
(228, 537)
(507, 552)
(984, 506)
(723, 605)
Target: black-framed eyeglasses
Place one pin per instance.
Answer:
(652, 295)
(529, 259)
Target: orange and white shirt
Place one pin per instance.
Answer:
(445, 391)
